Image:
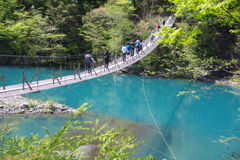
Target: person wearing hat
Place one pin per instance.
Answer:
(89, 59)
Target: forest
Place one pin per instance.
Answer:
(204, 42)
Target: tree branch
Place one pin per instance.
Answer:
(230, 15)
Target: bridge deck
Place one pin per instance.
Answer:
(147, 47)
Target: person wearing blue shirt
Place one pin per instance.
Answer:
(138, 45)
(128, 49)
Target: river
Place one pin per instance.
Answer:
(184, 126)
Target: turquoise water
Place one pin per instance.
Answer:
(189, 123)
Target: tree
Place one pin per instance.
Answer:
(109, 26)
(42, 27)
(28, 32)
(110, 144)
(204, 37)
(207, 37)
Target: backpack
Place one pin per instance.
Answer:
(132, 44)
(106, 55)
(88, 58)
(138, 43)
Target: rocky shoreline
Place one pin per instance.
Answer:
(21, 105)
(220, 77)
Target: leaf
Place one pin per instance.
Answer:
(45, 129)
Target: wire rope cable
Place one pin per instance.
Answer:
(90, 117)
(123, 88)
(125, 118)
(118, 99)
(145, 96)
(173, 157)
(154, 119)
(101, 105)
(100, 122)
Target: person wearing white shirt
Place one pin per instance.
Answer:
(124, 52)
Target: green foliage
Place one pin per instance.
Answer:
(31, 104)
(201, 13)
(50, 105)
(225, 12)
(29, 34)
(42, 27)
(201, 42)
(109, 26)
(110, 144)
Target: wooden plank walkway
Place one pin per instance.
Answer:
(147, 47)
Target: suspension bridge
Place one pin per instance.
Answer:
(116, 64)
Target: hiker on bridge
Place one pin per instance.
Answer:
(132, 48)
(138, 44)
(106, 57)
(164, 21)
(89, 59)
(158, 27)
(128, 49)
(124, 52)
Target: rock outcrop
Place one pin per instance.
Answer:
(21, 105)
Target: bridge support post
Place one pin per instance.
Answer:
(116, 64)
(37, 60)
(78, 71)
(53, 74)
(24, 59)
(104, 65)
(101, 68)
(93, 69)
(74, 71)
(60, 71)
(2, 78)
(25, 80)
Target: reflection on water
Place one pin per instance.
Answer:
(150, 109)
